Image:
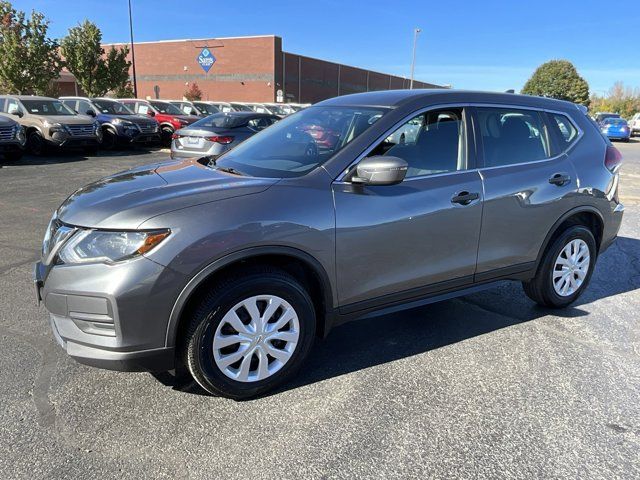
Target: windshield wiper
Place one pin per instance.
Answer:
(233, 171)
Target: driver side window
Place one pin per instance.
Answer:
(431, 143)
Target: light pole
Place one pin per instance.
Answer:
(416, 31)
(133, 54)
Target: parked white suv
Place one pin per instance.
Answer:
(634, 124)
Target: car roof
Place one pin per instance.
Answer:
(245, 114)
(398, 98)
(28, 97)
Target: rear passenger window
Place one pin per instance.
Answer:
(568, 132)
(431, 143)
(512, 136)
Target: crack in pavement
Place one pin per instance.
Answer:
(6, 268)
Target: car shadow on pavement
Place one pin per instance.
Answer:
(69, 156)
(369, 342)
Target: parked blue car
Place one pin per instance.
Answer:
(120, 125)
(616, 129)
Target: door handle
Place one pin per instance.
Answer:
(560, 179)
(464, 197)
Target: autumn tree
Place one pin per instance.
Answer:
(193, 92)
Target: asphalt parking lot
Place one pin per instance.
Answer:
(484, 386)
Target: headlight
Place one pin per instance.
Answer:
(21, 135)
(91, 246)
(124, 123)
(54, 127)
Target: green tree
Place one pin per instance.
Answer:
(95, 72)
(193, 92)
(29, 59)
(558, 79)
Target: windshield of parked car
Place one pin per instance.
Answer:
(110, 107)
(206, 108)
(47, 107)
(241, 108)
(296, 145)
(167, 108)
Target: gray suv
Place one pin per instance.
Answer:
(230, 268)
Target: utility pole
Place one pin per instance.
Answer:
(416, 31)
(133, 54)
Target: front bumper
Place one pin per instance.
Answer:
(11, 146)
(63, 140)
(111, 316)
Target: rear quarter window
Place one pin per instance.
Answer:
(566, 132)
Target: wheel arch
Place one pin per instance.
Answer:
(304, 267)
(588, 216)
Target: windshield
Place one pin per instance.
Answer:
(167, 108)
(222, 120)
(111, 107)
(206, 108)
(47, 107)
(241, 108)
(296, 145)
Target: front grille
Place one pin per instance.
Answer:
(148, 127)
(81, 130)
(8, 133)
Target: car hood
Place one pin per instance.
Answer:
(67, 119)
(6, 121)
(127, 199)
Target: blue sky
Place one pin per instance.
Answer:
(486, 45)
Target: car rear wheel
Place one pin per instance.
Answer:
(565, 269)
(249, 334)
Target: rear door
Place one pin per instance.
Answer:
(529, 183)
(397, 242)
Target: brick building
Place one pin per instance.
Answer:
(251, 69)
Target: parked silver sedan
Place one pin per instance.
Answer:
(215, 134)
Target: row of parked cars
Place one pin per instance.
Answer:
(37, 124)
(613, 126)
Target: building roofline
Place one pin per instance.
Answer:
(435, 85)
(189, 40)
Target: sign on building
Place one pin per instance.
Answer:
(206, 59)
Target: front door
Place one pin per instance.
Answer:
(401, 241)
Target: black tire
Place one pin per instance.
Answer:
(109, 139)
(197, 343)
(36, 144)
(13, 156)
(541, 289)
(166, 136)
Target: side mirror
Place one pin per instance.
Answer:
(91, 113)
(16, 112)
(380, 170)
(151, 113)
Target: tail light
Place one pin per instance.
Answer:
(174, 136)
(613, 159)
(224, 140)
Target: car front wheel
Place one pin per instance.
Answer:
(250, 334)
(565, 269)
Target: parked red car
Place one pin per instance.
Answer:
(170, 117)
